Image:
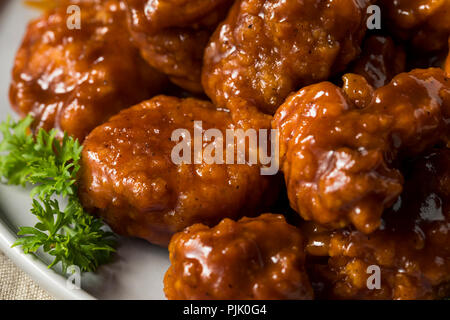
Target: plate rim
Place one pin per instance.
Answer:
(51, 281)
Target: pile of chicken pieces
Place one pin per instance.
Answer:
(363, 117)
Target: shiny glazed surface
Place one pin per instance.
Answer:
(426, 23)
(339, 153)
(254, 258)
(266, 49)
(172, 35)
(447, 62)
(380, 61)
(129, 178)
(74, 80)
(412, 247)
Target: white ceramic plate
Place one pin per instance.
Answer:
(138, 269)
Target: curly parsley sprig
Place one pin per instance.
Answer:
(51, 165)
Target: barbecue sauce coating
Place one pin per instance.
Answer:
(340, 156)
(265, 49)
(380, 61)
(128, 176)
(255, 258)
(447, 62)
(412, 247)
(74, 80)
(172, 35)
(425, 23)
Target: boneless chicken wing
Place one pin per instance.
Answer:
(340, 152)
(75, 79)
(265, 49)
(253, 258)
(410, 253)
(172, 35)
(129, 177)
(426, 23)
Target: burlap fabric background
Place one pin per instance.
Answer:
(16, 284)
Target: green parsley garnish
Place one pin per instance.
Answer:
(51, 165)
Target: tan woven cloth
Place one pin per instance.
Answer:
(16, 284)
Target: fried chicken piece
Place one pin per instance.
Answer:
(426, 23)
(255, 258)
(340, 152)
(412, 248)
(75, 79)
(265, 49)
(130, 178)
(380, 61)
(172, 35)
